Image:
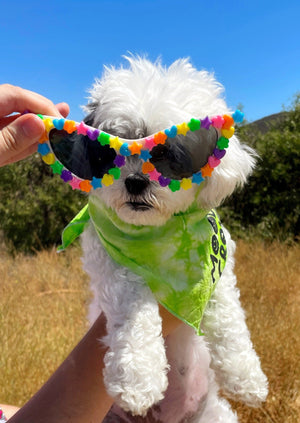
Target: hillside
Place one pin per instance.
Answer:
(268, 123)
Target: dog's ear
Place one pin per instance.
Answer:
(90, 119)
(236, 166)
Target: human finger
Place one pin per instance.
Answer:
(63, 109)
(22, 155)
(16, 99)
(19, 136)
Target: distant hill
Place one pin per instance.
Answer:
(266, 123)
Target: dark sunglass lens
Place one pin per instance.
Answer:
(82, 156)
(182, 156)
(172, 160)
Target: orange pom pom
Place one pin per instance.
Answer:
(206, 170)
(160, 138)
(43, 138)
(70, 126)
(147, 167)
(85, 186)
(228, 122)
(135, 148)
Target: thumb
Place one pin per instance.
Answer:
(19, 136)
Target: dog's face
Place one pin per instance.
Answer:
(140, 201)
(144, 99)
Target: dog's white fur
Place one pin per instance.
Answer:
(135, 102)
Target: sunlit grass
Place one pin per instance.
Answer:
(42, 316)
(43, 303)
(270, 292)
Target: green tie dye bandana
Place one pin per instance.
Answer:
(181, 261)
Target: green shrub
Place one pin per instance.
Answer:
(35, 205)
(269, 205)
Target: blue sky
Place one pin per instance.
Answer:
(57, 48)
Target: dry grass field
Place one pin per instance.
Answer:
(42, 316)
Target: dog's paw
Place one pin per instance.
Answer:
(249, 386)
(138, 403)
(136, 381)
(254, 392)
(136, 392)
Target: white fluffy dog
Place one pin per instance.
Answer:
(181, 375)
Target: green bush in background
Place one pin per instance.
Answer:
(35, 205)
(269, 206)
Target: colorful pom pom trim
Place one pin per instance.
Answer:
(142, 147)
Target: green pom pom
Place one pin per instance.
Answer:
(174, 185)
(222, 143)
(194, 124)
(57, 168)
(103, 138)
(115, 172)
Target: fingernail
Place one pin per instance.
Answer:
(32, 127)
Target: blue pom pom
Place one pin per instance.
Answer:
(124, 150)
(96, 183)
(197, 178)
(238, 116)
(171, 132)
(43, 149)
(145, 155)
(59, 123)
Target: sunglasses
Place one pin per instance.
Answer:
(88, 158)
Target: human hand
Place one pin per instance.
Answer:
(82, 371)
(19, 134)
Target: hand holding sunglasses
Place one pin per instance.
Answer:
(88, 158)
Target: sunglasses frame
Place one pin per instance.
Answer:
(141, 147)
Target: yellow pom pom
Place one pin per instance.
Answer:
(115, 143)
(186, 183)
(49, 159)
(227, 133)
(48, 124)
(182, 129)
(107, 180)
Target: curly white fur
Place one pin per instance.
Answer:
(126, 301)
(135, 102)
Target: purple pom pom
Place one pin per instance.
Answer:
(66, 176)
(119, 161)
(163, 182)
(219, 154)
(93, 134)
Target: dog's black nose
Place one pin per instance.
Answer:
(136, 183)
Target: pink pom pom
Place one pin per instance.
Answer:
(213, 161)
(217, 121)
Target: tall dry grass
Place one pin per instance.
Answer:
(270, 292)
(42, 316)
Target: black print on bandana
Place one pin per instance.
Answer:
(215, 244)
(223, 252)
(212, 221)
(223, 239)
(220, 271)
(218, 244)
(214, 261)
